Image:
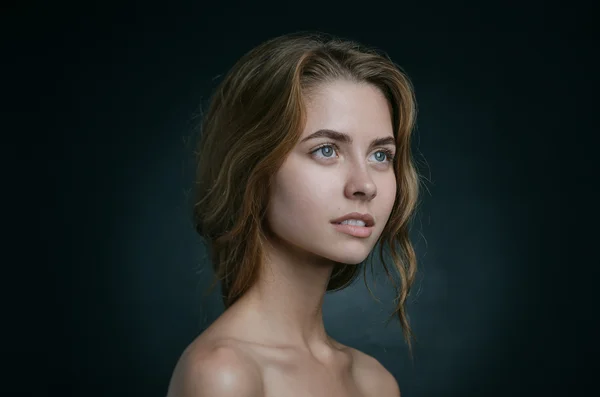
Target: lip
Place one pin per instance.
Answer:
(352, 230)
(366, 218)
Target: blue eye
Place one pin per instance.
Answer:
(387, 155)
(326, 150)
(380, 157)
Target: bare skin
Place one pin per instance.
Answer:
(275, 370)
(272, 341)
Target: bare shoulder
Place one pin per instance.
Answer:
(216, 369)
(372, 377)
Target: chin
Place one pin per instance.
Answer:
(349, 256)
(352, 261)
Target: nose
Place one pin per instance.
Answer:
(360, 185)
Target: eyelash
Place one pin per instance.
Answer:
(388, 153)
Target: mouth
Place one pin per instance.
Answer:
(355, 219)
(356, 229)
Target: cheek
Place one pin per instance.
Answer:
(298, 202)
(386, 197)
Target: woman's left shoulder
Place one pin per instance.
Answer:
(372, 377)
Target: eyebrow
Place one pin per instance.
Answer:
(345, 138)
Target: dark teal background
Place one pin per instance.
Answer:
(108, 273)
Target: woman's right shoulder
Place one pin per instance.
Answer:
(215, 368)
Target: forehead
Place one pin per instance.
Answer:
(359, 109)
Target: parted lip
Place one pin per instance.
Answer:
(366, 218)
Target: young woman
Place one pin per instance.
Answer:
(304, 165)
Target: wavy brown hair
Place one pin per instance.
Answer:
(255, 118)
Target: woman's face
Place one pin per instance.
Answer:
(325, 178)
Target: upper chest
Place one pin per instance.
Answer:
(306, 379)
(294, 375)
(287, 372)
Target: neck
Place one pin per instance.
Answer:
(287, 300)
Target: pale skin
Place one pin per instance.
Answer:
(272, 341)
